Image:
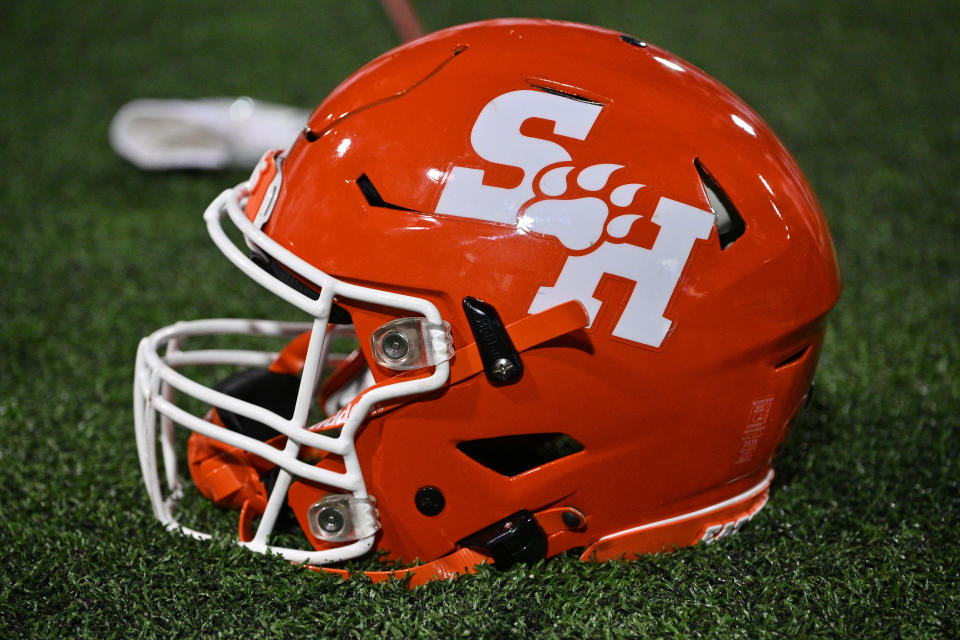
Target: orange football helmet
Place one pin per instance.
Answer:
(588, 289)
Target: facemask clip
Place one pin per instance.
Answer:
(411, 343)
(342, 518)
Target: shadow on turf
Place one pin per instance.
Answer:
(813, 430)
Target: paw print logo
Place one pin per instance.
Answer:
(579, 222)
(580, 210)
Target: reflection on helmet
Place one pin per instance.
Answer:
(562, 290)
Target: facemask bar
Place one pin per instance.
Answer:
(156, 380)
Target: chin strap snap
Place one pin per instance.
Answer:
(525, 333)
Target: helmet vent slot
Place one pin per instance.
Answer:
(729, 222)
(793, 357)
(565, 94)
(637, 42)
(566, 91)
(374, 199)
(512, 455)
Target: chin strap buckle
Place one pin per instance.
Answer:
(516, 538)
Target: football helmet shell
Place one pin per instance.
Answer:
(589, 287)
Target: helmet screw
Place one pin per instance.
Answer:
(502, 369)
(573, 518)
(331, 520)
(395, 345)
(429, 500)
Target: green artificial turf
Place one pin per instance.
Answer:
(859, 537)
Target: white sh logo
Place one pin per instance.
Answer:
(577, 223)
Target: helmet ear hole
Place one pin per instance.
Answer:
(512, 455)
(276, 392)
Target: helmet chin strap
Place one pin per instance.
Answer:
(461, 562)
(523, 536)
